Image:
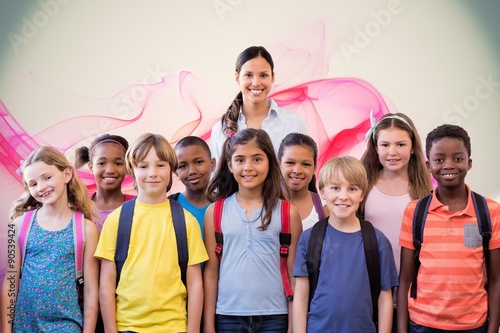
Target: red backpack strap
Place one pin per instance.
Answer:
(285, 241)
(79, 243)
(219, 238)
(24, 231)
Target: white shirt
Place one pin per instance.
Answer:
(278, 123)
(311, 220)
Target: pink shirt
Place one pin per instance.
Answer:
(103, 213)
(386, 214)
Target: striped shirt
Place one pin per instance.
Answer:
(452, 275)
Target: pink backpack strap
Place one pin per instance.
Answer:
(79, 243)
(24, 231)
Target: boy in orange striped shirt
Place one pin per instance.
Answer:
(451, 294)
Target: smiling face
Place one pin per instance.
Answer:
(46, 183)
(249, 166)
(152, 177)
(394, 149)
(297, 167)
(449, 162)
(342, 199)
(108, 166)
(195, 167)
(255, 79)
(343, 184)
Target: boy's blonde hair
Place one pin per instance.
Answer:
(345, 169)
(140, 148)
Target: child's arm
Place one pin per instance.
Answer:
(300, 304)
(10, 285)
(295, 230)
(385, 311)
(194, 285)
(210, 273)
(91, 278)
(405, 278)
(107, 295)
(494, 292)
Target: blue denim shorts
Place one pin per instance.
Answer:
(252, 324)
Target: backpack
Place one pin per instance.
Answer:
(318, 205)
(285, 241)
(125, 226)
(313, 259)
(174, 196)
(419, 217)
(79, 245)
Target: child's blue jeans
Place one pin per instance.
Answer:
(252, 324)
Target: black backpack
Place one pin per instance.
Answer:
(174, 196)
(313, 259)
(125, 226)
(419, 217)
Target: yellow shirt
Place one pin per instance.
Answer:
(151, 296)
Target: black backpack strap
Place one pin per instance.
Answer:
(484, 224)
(174, 196)
(372, 262)
(419, 217)
(313, 256)
(125, 227)
(123, 236)
(180, 236)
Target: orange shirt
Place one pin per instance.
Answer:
(452, 275)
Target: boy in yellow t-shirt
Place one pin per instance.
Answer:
(150, 295)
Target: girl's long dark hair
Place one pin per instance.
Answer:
(224, 184)
(229, 119)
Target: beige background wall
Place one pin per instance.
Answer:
(437, 61)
